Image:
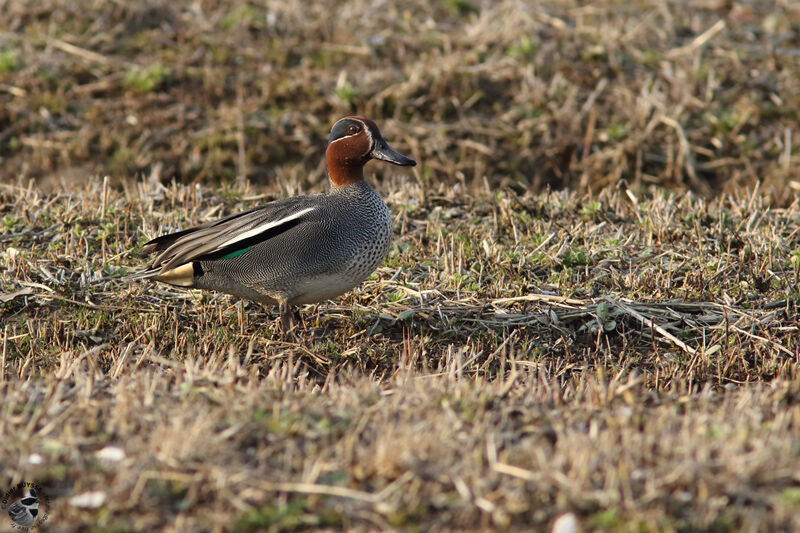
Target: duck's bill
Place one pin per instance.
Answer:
(383, 152)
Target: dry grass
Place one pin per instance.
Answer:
(517, 357)
(691, 93)
(625, 349)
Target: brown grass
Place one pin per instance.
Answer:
(517, 357)
(623, 346)
(697, 93)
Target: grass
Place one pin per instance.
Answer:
(567, 94)
(603, 386)
(146, 80)
(589, 309)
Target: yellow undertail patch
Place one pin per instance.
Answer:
(183, 276)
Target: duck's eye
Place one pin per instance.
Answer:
(353, 129)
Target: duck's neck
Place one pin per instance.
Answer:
(342, 175)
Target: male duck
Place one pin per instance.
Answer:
(296, 250)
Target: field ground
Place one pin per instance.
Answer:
(659, 389)
(697, 94)
(590, 307)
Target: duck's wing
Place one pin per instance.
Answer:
(227, 237)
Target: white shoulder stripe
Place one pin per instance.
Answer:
(263, 227)
(369, 134)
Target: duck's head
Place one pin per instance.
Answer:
(353, 142)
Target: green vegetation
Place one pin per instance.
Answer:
(346, 93)
(9, 61)
(148, 79)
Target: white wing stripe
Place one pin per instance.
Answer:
(263, 227)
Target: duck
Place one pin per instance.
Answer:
(292, 251)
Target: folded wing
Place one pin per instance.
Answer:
(224, 238)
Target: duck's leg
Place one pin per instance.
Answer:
(287, 317)
(284, 309)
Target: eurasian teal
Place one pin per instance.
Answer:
(298, 250)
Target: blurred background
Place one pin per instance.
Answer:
(679, 94)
